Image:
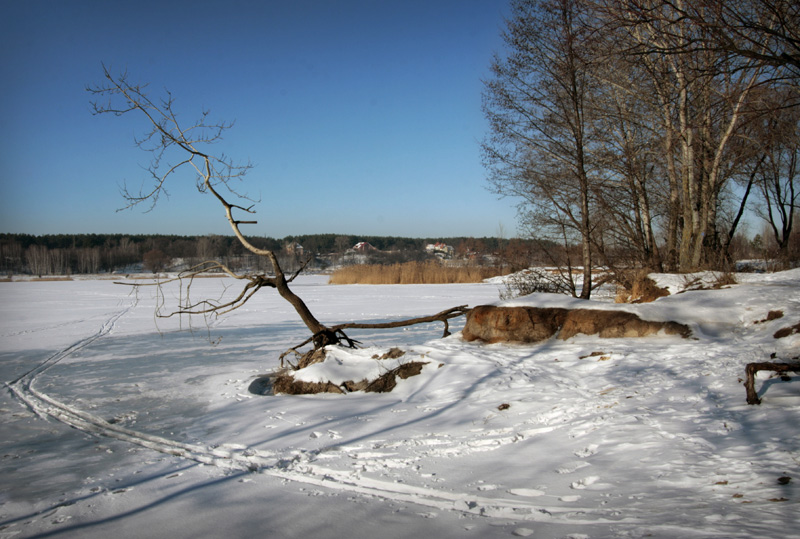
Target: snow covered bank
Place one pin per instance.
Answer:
(582, 438)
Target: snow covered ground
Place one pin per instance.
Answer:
(113, 424)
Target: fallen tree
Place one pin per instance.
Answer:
(174, 147)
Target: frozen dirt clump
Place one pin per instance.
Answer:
(346, 371)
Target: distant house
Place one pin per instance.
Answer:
(363, 247)
(440, 250)
(294, 248)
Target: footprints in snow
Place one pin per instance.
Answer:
(526, 492)
(332, 434)
(588, 482)
(587, 451)
(572, 467)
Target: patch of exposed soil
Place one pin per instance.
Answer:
(772, 315)
(785, 332)
(285, 384)
(489, 323)
(393, 353)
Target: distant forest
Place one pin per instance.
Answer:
(67, 254)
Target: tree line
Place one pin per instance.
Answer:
(643, 131)
(66, 254)
(72, 254)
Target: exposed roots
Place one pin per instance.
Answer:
(336, 335)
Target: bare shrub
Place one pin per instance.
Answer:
(155, 260)
(711, 281)
(531, 281)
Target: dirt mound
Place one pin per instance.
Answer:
(512, 324)
(286, 384)
(615, 324)
(492, 324)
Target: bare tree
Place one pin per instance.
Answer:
(703, 92)
(176, 146)
(38, 260)
(631, 159)
(778, 178)
(88, 260)
(539, 148)
(765, 31)
(155, 260)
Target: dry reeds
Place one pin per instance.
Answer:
(431, 272)
(725, 279)
(637, 287)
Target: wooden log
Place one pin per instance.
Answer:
(752, 368)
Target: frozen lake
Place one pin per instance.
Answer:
(140, 427)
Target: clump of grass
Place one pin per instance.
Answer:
(430, 272)
(638, 287)
(724, 279)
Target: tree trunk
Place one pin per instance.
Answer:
(586, 290)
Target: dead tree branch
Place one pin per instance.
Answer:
(212, 172)
(175, 147)
(443, 316)
(753, 368)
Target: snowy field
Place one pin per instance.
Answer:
(114, 424)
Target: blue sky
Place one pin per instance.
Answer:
(360, 117)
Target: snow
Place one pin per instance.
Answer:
(343, 364)
(117, 424)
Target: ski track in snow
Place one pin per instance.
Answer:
(237, 457)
